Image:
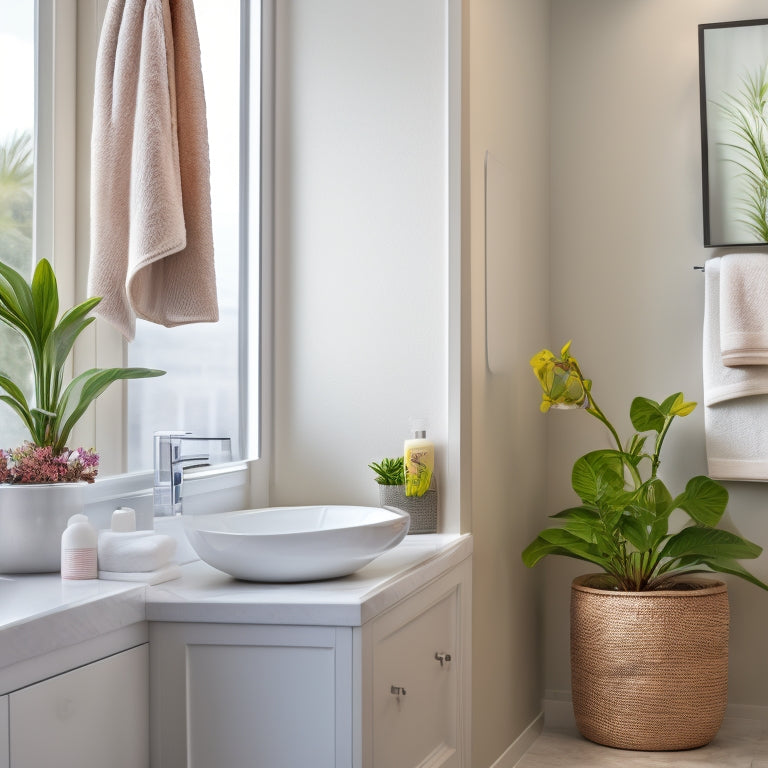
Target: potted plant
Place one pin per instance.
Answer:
(649, 641)
(390, 475)
(41, 481)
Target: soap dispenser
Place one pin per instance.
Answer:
(418, 460)
(78, 549)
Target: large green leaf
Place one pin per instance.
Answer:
(597, 475)
(16, 294)
(708, 543)
(636, 532)
(647, 415)
(555, 541)
(650, 509)
(72, 324)
(84, 389)
(45, 299)
(704, 500)
(21, 410)
(726, 565)
(13, 390)
(582, 522)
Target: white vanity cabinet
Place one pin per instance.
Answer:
(413, 680)
(389, 691)
(91, 717)
(4, 737)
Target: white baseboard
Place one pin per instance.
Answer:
(521, 744)
(558, 712)
(746, 712)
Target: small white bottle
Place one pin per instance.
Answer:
(78, 549)
(418, 460)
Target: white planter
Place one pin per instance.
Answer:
(32, 519)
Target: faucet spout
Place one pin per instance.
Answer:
(170, 461)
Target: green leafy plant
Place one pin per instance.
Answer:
(622, 524)
(389, 471)
(746, 113)
(31, 309)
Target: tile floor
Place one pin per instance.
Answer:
(739, 744)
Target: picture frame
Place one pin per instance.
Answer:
(733, 63)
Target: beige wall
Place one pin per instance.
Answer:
(626, 232)
(507, 113)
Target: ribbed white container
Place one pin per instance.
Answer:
(79, 564)
(79, 549)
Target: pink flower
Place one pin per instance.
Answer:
(32, 464)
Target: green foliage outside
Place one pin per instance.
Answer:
(16, 221)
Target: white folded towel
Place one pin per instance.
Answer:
(735, 401)
(134, 552)
(151, 230)
(166, 573)
(744, 309)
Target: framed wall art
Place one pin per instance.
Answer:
(733, 83)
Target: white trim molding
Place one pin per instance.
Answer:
(521, 744)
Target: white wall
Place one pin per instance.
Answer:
(626, 233)
(508, 115)
(363, 171)
(362, 243)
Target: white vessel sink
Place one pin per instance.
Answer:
(295, 543)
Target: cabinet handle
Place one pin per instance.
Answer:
(397, 690)
(442, 657)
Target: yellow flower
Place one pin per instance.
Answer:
(560, 379)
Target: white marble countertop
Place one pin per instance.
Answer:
(204, 594)
(43, 615)
(44, 618)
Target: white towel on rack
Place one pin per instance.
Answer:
(744, 309)
(735, 401)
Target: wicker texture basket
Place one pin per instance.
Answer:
(649, 670)
(422, 509)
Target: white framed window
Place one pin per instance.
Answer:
(61, 75)
(203, 389)
(17, 168)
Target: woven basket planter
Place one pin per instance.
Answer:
(649, 670)
(422, 509)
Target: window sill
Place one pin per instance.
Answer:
(214, 489)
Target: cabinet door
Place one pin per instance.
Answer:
(416, 683)
(92, 717)
(243, 696)
(4, 748)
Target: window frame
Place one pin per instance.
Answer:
(67, 35)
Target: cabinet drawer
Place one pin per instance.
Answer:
(416, 725)
(91, 717)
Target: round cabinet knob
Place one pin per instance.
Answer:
(442, 657)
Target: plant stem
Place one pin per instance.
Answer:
(594, 409)
(656, 458)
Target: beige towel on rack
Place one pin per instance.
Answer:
(735, 400)
(744, 309)
(151, 235)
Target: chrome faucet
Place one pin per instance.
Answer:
(175, 452)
